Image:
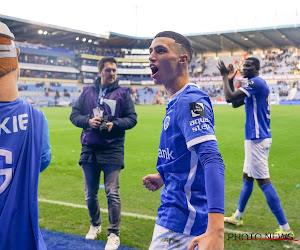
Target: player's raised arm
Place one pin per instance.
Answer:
(232, 96)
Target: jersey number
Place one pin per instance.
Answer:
(6, 172)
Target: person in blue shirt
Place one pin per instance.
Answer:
(255, 95)
(189, 165)
(24, 152)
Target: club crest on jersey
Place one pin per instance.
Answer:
(197, 109)
(166, 122)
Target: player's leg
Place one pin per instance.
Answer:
(275, 206)
(236, 218)
(111, 182)
(244, 195)
(261, 149)
(91, 174)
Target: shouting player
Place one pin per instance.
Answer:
(189, 165)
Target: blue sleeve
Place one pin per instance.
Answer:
(46, 149)
(214, 172)
(196, 127)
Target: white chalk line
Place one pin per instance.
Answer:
(101, 209)
(139, 216)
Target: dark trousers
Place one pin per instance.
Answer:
(92, 173)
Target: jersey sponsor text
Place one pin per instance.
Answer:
(166, 154)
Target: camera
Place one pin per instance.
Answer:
(103, 127)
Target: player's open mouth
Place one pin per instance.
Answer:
(154, 69)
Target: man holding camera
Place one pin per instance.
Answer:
(104, 111)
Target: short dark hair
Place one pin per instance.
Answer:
(182, 40)
(105, 60)
(255, 61)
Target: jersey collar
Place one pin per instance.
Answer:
(179, 91)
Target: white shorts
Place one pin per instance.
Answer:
(164, 239)
(256, 158)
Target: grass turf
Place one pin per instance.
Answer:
(63, 181)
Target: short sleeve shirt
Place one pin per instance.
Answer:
(257, 109)
(189, 121)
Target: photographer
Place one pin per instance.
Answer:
(104, 111)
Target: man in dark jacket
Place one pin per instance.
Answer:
(104, 111)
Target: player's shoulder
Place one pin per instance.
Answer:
(195, 101)
(256, 81)
(193, 93)
(29, 108)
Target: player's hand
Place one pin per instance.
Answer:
(227, 71)
(213, 238)
(153, 182)
(231, 72)
(95, 122)
(222, 68)
(207, 241)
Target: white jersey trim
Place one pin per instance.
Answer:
(200, 139)
(245, 91)
(188, 193)
(182, 89)
(255, 116)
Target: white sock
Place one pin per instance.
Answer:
(285, 227)
(238, 215)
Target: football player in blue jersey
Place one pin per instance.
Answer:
(255, 95)
(189, 165)
(24, 153)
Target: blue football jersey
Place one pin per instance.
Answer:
(189, 121)
(21, 135)
(257, 109)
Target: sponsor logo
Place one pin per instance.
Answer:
(166, 122)
(201, 127)
(175, 243)
(201, 123)
(197, 109)
(198, 121)
(166, 154)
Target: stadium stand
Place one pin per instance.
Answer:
(56, 66)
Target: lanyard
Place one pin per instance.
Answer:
(101, 97)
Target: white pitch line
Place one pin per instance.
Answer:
(134, 215)
(101, 209)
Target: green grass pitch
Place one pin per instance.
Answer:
(63, 181)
